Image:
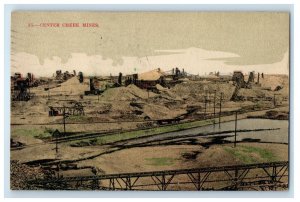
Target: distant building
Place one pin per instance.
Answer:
(147, 79)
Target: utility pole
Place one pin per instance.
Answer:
(64, 120)
(48, 91)
(56, 134)
(56, 145)
(215, 106)
(235, 127)
(221, 97)
(205, 100)
(215, 103)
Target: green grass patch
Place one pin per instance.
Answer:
(146, 132)
(264, 154)
(39, 133)
(163, 161)
(84, 143)
(77, 118)
(248, 154)
(26, 132)
(245, 158)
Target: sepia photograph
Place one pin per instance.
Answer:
(149, 101)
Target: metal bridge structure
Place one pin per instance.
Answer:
(262, 176)
(77, 109)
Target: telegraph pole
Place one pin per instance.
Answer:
(215, 106)
(56, 134)
(48, 91)
(220, 110)
(56, 145)
(205, 100)
(64, 120)
(235, 127)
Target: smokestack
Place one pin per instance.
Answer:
(92, 88)
(120, 78)
(251, 77)
(80, 74)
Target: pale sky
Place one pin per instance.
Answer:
(140, 41)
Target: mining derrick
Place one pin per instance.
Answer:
(20, 91)
(239, 82)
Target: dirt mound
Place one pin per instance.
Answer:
(167, 93)
(198, 89)
(251, 93)
(71, 87)
(255, 92)
(155, 111)
(274, 80)
(126, 93)
(159, 87)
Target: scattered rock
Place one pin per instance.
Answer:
(278, 88)
(21, 173)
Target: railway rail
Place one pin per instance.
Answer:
(261, 176)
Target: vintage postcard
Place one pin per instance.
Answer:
(191, 101)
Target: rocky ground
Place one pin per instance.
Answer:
(123, 108)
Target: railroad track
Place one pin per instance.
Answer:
(114, 132)
(124, 143)
(208, 134)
